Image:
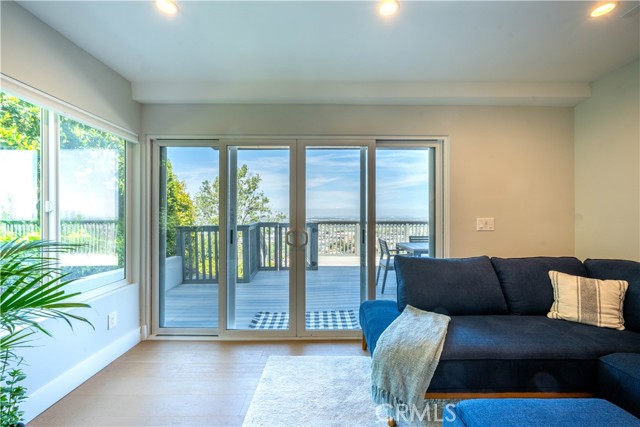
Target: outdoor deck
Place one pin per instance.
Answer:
(334, 287)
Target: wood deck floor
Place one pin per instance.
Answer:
(328, 288)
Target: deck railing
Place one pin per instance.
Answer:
(262, 245)
(93, 236)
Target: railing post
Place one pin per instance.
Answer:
(180, 247)
(246, 263)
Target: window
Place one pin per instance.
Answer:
(68, 186)
(20, 148)
(91, 199)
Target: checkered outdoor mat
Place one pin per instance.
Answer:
(329, 319)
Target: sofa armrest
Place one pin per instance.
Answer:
(619, 380)
(375, 317)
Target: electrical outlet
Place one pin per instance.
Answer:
(485, 224)
(112, 320)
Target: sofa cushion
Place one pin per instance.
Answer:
(451, 286)
(508, 353)
(538, 412)
(619, 380)
(621, 270)
(526, 284)
(585, 300)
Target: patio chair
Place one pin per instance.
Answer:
(419, 239)
(385, 262)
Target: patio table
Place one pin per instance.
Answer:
(414, 248)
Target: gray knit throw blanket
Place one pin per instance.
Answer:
(404, 360)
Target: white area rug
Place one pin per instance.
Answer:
(317, 391)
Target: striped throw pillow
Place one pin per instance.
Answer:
(589, 301)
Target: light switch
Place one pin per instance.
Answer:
(485, 224)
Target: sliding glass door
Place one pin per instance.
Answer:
(188, 238)
(335, 224)
(406, 205)
(276, 237)
(259, 238)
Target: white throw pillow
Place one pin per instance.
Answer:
(589, 301)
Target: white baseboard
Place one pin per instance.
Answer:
(50, 393)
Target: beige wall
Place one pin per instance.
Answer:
(36, 55)
(513, 164)
(607, 151)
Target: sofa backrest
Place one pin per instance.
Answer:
(615, 269)
(453, 286)
(526, 284)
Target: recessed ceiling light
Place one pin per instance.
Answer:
(168, 7)
(388, 7)
(603, 9)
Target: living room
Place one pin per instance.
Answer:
(554, 159)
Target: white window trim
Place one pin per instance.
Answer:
(56, 105)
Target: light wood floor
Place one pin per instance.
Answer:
(179, 383)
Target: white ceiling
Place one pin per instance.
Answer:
(449, 52)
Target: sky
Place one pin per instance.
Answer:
(332, 175)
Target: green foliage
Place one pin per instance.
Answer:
(207, 203)
(180, 209)
(19, 124)
(12, 394)
(32, 288)
(253, 203)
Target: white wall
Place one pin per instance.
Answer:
(55, 366)
(35, 55)
(607, 151)
(513, 164)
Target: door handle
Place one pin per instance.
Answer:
(287, 239)
(306, 238)
(231, 237)
(362, 241)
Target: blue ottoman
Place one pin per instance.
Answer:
(619, 380)
(538, 413)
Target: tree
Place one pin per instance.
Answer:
(207, 203)
(180, 209)
(252, 203)
(19, 124)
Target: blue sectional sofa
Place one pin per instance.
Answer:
(500, 339)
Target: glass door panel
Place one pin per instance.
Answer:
(405, 207)
(258, 224)
(188, 228)
(336, 212)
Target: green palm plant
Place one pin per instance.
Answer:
(32, 288)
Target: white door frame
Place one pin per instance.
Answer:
(156, 329)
